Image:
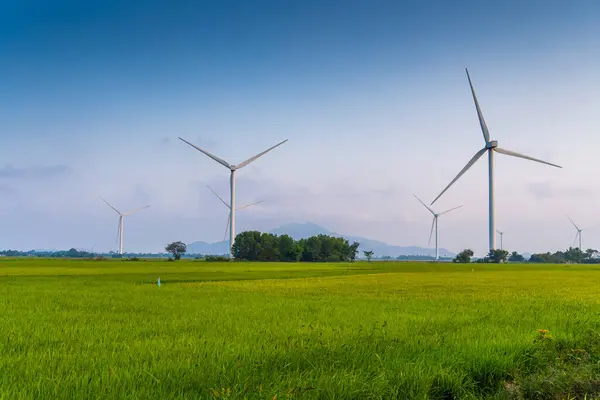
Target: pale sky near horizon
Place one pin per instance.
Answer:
(372, 96)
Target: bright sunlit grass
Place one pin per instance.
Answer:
(103, 329)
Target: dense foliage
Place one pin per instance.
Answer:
(464, 256)
(571, 255)
(257, 246)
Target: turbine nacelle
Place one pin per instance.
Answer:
(492, 144)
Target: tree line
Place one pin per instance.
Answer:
(257, 246)
(572, 255)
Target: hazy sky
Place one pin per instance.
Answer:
(372, 96)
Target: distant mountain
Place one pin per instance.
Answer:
(218, 248)
(306, 230)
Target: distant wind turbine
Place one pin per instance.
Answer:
(501, 239)
(578, 234)
(232, 168)
(491, 147)
(229, 207)
(121, 219)
(434, 223)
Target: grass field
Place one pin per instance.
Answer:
(103, 329)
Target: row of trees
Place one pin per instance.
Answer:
(571, 255)
(257, 246)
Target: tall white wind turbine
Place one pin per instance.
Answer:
(229, 207)
(232, 168)
(121, 220)
(434, 223)
(491, 147)
(578, 234)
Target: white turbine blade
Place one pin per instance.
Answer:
(431, 233)
(447, 211)
(250, 205)
(227, 227)
(117, 211)
(248, 161)
(575, 240)
(424, 205)
(217, 159)
(518, 155)
(484, 128)
(219, 197)
(469, 165)
(576, 227)
(136, 210)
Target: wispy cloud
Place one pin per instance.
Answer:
(35, 173)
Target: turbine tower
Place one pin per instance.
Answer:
(121, 220)
(491, 147)
(229, 207)
(578, 234)
(501, 239)
(232, 168)
(434, 223)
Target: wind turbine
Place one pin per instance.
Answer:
(434, 223)
(491, 147)
(501, 238)
(232, 168)
(229, 207)
(578, 234)
(121, 219)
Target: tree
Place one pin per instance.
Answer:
(368, 254)
(591, 253)
(574, 255)
(496, 256)
(516, 257)
(464, 256)
(269, 249)
(177, 249)
(353, 251)
(289, 250)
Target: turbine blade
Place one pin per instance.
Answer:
(227, 227)
(431, 232)
(250, 205)
(484, 128)
(518, 155)
(447, 211)
(117, 211)
(424, 205)
(219, 197)
(576, 227)
(473, 160)
(136, 210)
(217, 159)
(575, 240)
(248, 161)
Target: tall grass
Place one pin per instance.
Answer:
(103, 329)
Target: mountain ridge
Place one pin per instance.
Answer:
(305, 230)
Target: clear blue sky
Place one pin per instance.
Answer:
(372, 96)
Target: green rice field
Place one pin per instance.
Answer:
(83, 329)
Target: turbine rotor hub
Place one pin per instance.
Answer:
(492, 144)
